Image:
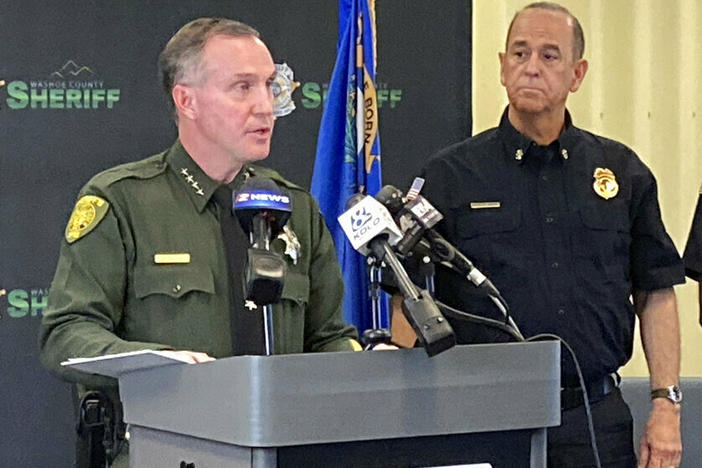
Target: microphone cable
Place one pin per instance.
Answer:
(514, 333)
(492, 292)
(581, 381)
(504, 327)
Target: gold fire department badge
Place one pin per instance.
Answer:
(87, 214)
(605, 184)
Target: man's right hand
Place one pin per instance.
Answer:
(191, 357)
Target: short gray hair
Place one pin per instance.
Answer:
(182, 53)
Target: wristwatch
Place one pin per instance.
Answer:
(672, 392)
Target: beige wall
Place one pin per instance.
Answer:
(644, 88)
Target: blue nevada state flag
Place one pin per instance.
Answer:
(348, 149)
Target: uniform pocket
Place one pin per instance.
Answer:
(486, 236)
(605, 234)
(296, 287)
(603, 245)
(478, 222)
(172, 280)
(606, 217)
(290, 313)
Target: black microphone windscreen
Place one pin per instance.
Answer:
(391, 197)
(260, 195)
(261, 184)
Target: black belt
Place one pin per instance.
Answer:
(572, 397)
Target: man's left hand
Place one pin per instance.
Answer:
(384, 347)
(661, 444)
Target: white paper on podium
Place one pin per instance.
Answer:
(472, 465)
(114, 365)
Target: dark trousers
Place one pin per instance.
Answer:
(569, 443)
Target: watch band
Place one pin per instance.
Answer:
(672, 393)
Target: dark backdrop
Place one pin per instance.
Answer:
(107, 50)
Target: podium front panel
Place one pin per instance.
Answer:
(159, 449)
(274, 401)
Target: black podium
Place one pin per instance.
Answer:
(470, 404)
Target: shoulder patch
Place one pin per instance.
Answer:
(87, 214)
(143, 169)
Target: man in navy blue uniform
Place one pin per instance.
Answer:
(693, 251)
(568, 227)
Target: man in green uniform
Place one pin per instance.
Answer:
(143, 264)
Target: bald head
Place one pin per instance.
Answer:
(578, 36)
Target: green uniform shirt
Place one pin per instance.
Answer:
(110, 295)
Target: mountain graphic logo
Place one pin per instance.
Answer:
(72, 87)
(71, 70)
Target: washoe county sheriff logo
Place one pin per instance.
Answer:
(70, 87)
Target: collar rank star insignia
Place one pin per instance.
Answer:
(605, 184)
(292, 244)
(87, 214)
(191, 180)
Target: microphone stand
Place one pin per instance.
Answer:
(425, 260)
(427, 269)
(433, 331)
(262, 226)
(268, 329)
(260, 237)
(375, 335)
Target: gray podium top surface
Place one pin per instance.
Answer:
(272, 401)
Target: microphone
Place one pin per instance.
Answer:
(371, 230)
(417, 218)
(263, 208)
(364, 220)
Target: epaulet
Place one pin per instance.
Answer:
(143, 169)
(273, 175)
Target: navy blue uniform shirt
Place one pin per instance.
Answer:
(566, 232)
(693, 248)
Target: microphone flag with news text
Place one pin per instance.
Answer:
(263, 208)
(348, 149)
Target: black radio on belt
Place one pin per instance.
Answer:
(100, 430)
